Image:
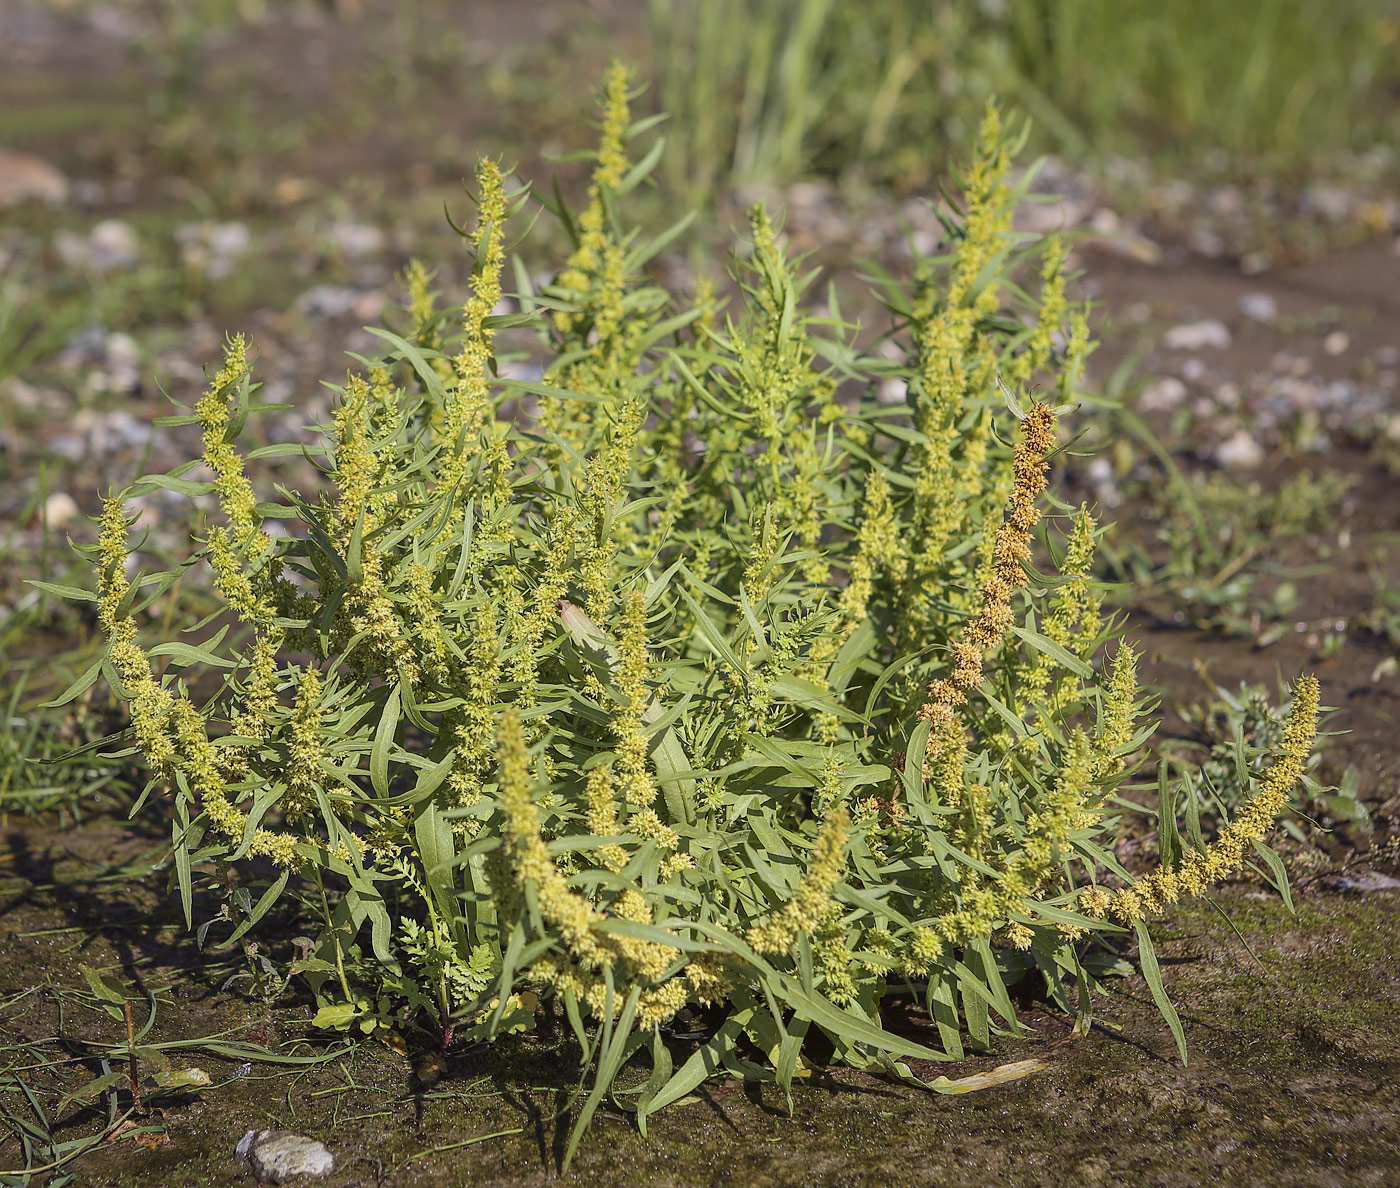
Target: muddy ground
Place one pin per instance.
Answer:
(1292, 1075)
(1293, 1018)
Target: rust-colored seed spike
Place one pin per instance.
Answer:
(1009, 554)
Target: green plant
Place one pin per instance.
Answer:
(1382, 617)
(1216, 534)
(1238, 730)
(44, 768)
(1267, 82)
(688, 675)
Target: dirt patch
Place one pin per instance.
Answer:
(1292, 1080)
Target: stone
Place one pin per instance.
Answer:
(26, 178)
(1196, 336)
(327, 302)
(1240, 451)
(1259, 307)
(1162, 395)
(278, 1156)
(1336, 343)
(60, 508)
(1112, 236)
(1370, 880)
(1104, 482)
(212, 248)
(1206, 241)
(892, 391)
(356, 240)
(111, 244)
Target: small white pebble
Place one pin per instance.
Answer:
(1162, 395)
(1336, 343)
(1261, 307)
(60, 508)
(277, 1156)
(1197, 336)
(1240, 451)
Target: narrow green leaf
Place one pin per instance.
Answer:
(1060, 655)
(385, 732)
(1147, 959)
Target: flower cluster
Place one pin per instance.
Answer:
(1224, 856)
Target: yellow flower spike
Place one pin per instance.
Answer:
(831, 959)
(923, 951)
(473, 723)
(531, 863)
(469, 396)
(422, 302)
(423, 610)
(1226, 854)
(235, 493)
(261, 695)
(810, 902)
(658, 1006)
(256, 598)
(710, 979)
(596, 541)
(1119, 708)
(878, 548)
(592, 268)
(955, 359)
(636, 784)
(356, 468)
(368, 608)
(169, 730)
(603, 819)
(280, 848)
(1050, 318)
(1018, 936)
(306, 748)
(1077, 350)
(1072, 620)
(988, 218)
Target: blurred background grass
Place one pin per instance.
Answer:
(769, 90)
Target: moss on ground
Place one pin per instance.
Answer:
(1292, 1076)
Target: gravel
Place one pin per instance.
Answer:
(1260, 307)
(111, 244)
(26, 178)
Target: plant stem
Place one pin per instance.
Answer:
(131, 1055)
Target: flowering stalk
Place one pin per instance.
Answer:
(1225, 855)
(469, 398)
(1012, 550)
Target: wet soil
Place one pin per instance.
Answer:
(1293, 1027)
